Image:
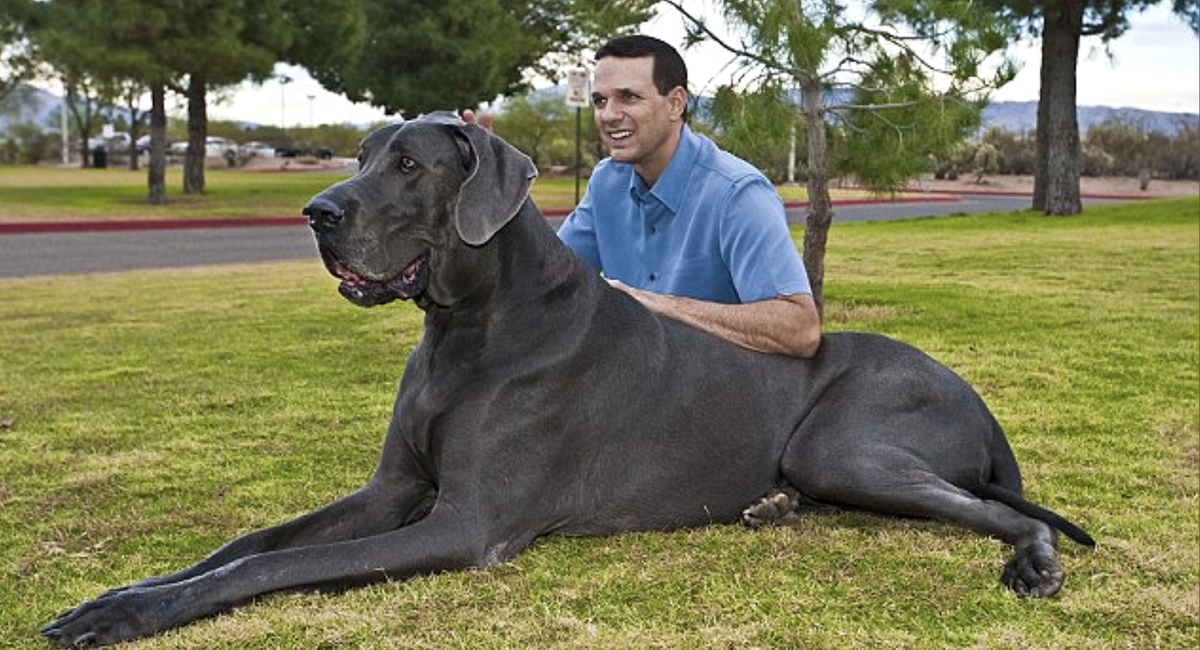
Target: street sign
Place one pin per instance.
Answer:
(578, 88)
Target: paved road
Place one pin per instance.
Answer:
(29, 254)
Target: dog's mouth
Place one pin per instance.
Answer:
(409, 284)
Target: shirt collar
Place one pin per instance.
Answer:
(671, 186)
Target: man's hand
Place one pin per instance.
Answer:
(788, 325)
(484, 119)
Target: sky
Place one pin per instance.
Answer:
(1154, 66)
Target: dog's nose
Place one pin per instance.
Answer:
(323, 215)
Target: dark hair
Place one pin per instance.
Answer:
(669, 69)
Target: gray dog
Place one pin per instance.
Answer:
(542, 401)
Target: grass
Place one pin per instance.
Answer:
(154, 415)
(57, 194)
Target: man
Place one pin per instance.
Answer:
(691, 231)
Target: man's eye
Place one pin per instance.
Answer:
(407, 164)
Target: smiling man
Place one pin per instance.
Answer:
(691, 231)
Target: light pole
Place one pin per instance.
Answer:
(311, 122)
(283, 80)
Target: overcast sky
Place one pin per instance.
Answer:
(1154, 66)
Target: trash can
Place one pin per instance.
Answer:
(100, 158)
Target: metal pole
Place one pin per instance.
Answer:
(578, 150)
(66, 133)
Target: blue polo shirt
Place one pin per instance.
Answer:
(712, 228)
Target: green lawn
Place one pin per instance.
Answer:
(150, 416)
(57, 194)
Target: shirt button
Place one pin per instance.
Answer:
(653, 230)
(653, 277)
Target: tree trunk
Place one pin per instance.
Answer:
(135, 132)
(820, 211)
(156, 176)
(1056, 178)
(193, 161)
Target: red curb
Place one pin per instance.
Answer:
(119, 225)
(145, 224)
(242, 222)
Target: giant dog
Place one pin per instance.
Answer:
(542, 401)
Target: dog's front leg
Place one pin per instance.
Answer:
(378, 507)
(440, 542)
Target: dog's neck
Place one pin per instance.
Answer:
(523, 267)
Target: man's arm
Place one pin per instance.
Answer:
(787, 325)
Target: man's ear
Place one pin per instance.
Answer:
(677, 101)
(498, 181)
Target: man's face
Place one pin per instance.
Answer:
(638, 125)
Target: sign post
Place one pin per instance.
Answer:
(578, 89)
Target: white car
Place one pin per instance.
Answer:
(256, 149)
(119, 142)
(214, 147)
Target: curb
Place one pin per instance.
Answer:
(119, 225)
(24, 227)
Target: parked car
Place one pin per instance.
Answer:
(119, 142)
(322, 153)
(256, 149)
(214, 147)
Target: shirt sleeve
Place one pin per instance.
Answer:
(578, 232)
(757, 245)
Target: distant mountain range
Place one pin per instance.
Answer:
(39, 107)
(1019, 117)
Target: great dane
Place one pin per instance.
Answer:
(542, 401)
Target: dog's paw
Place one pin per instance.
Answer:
(112, 618)
(774, 509)
(1034, 571)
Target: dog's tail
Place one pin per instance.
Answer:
(1023, 506)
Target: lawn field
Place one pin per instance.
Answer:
(147, 417)
(72, 194)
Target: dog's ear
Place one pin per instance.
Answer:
(498, 182)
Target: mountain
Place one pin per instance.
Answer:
(1019, 117)
(30, 105)
(39, 107)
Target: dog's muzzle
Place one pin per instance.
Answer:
(409, 284)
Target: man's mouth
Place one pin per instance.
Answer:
(409, 284)
(617, 136)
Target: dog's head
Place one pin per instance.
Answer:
(426, 192)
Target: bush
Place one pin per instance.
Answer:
(26, 144)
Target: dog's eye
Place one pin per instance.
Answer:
(407, 164)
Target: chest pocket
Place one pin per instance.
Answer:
(703, 277)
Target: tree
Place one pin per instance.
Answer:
(424, 55)
(756, 125)
(1061, 24)
(531, 124)
(119, 44)
(877, 80)
(214, 43)
(62, 37)
(191, 47)
(17, 62)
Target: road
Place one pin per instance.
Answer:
(31, 254)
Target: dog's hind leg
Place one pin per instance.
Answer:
(908, 489)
